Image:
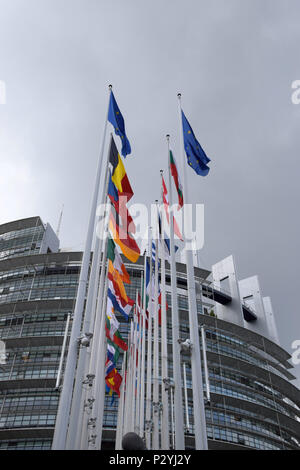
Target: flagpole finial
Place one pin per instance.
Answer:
(168, 136)
(161, 171)
(179, 95)
(110, 87)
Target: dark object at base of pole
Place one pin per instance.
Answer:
(132, 441)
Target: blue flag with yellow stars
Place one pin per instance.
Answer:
(116, 119)
(196, 156)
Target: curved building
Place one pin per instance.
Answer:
(250, 401)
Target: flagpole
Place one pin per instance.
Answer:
(94, 371)
(198, 399)
(81, 436)
(178, 411)
(172, 416)
(204, 353)
(63, 414)
(131, 383)
(136, 364)
(156, 408)
(187, 421)
(164, 345)
(120, 422)
(77, 408)
(128, 402)
(143, 313)
(148, 427)
(100, 355)
(127, 381)
(137, 402)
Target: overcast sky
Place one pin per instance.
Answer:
(234, 62)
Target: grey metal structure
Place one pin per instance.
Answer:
(252, 401)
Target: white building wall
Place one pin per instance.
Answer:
(251, 294)
(273, 332)
(224, 276)
(50, 240)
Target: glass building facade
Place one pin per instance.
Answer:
(253, 403)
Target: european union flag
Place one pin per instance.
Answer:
(116, 119)
(196, 156)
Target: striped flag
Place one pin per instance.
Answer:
(119, 175)
(123, 239)
(114, 256)
(177, 182)
(114, 336)
(166, 206)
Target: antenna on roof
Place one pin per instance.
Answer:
(59, 221)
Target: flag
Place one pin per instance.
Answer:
(115, 277)
(165, 241)
(117, 305)
(148, 284)
(118, 169)
(112, 191)
(177, 182)
(109, 366)
(116, 119)
(166, 206)
(139, 312)
(196, 156)
(113, 352)
(125, 217)
(115, 337)
(110, 315)
(115, 257)
(167, 246)
(119, 175)
(125, 241)
(160, 306)
(111, 394)
(154, 254)
(119, 201)
(113, 380)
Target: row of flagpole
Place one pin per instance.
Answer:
(65, 402)
(148, 397)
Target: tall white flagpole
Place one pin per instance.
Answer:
(82, 431)
(148, 424)
(126, 381)
(128, 391)
(94, 372)
(204, 353)
(98, 362)
(187, 421)
(133, 381)
(138, 396)
(138, 364)
(156, 408)
(120, 422)
(143, 313)
(172, 417)
(133, 378)
(77, 408)
(63, 414)
(179, 426)
(198, 399)
(165, 437)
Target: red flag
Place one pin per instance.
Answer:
(113, 380)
